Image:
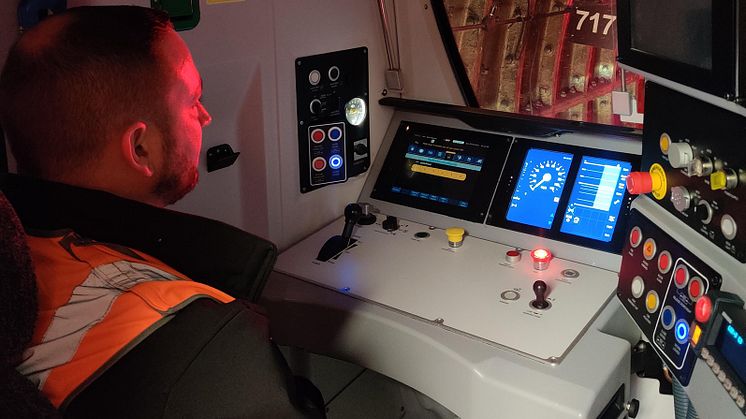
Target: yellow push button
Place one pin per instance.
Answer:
(718, 180)
(652, 301)
(696, 334)
(665, 142)
(455, 236)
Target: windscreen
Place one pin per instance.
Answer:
(554, 59)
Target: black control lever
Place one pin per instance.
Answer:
(540, 289)
(352, 215)
(336, 244)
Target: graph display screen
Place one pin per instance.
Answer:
(539, 188)
(596, 198)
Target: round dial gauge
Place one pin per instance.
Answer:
(548, 175)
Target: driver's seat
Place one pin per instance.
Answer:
(19, 397)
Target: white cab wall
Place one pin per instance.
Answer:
(246, 51)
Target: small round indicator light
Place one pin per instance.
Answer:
(335, 161)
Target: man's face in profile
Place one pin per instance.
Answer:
(185, 118)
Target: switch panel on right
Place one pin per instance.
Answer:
(659, 284)
(696, 151)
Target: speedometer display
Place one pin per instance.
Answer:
(539, 188)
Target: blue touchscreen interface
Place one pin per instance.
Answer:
(596, 198)
(539, 188)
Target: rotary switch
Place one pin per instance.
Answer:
(680, 155)
(703, 211)
(681, 198)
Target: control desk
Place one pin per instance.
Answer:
(481, 270)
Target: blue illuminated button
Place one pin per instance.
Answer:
(668, 317)
(335, 161)
(335, 133)
(682, 331)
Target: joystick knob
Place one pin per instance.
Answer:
(391, 223)
(352, 214)
(540, 289)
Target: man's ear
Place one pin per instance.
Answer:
(136, 149)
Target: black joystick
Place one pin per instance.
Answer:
(337, 244)
(352, 215)
(540, 289)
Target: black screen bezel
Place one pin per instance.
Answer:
(497, 216)
(720, 81)
(487, 182)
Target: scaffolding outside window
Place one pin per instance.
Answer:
(550, 58)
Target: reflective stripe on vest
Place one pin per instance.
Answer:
(96, 302)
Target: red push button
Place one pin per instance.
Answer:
(635, 236)
(703, 309)
(664, 262)
(319, 164)
(317, 135)
(696, 289)
(681, 276)
(639, 183)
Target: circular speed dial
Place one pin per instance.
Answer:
(547, 175)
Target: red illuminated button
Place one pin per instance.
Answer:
(681, 276)
(696, 289)
(317, 135)
(319, 164)
(635, 237)
(664, 262)
(703, 309)
(541, 258)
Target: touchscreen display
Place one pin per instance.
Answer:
(539, 188)
(596, 198)
(443, 170)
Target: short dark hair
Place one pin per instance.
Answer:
(61, 100)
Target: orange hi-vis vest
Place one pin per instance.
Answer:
(96, 301)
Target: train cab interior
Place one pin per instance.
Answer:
(464, 208)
